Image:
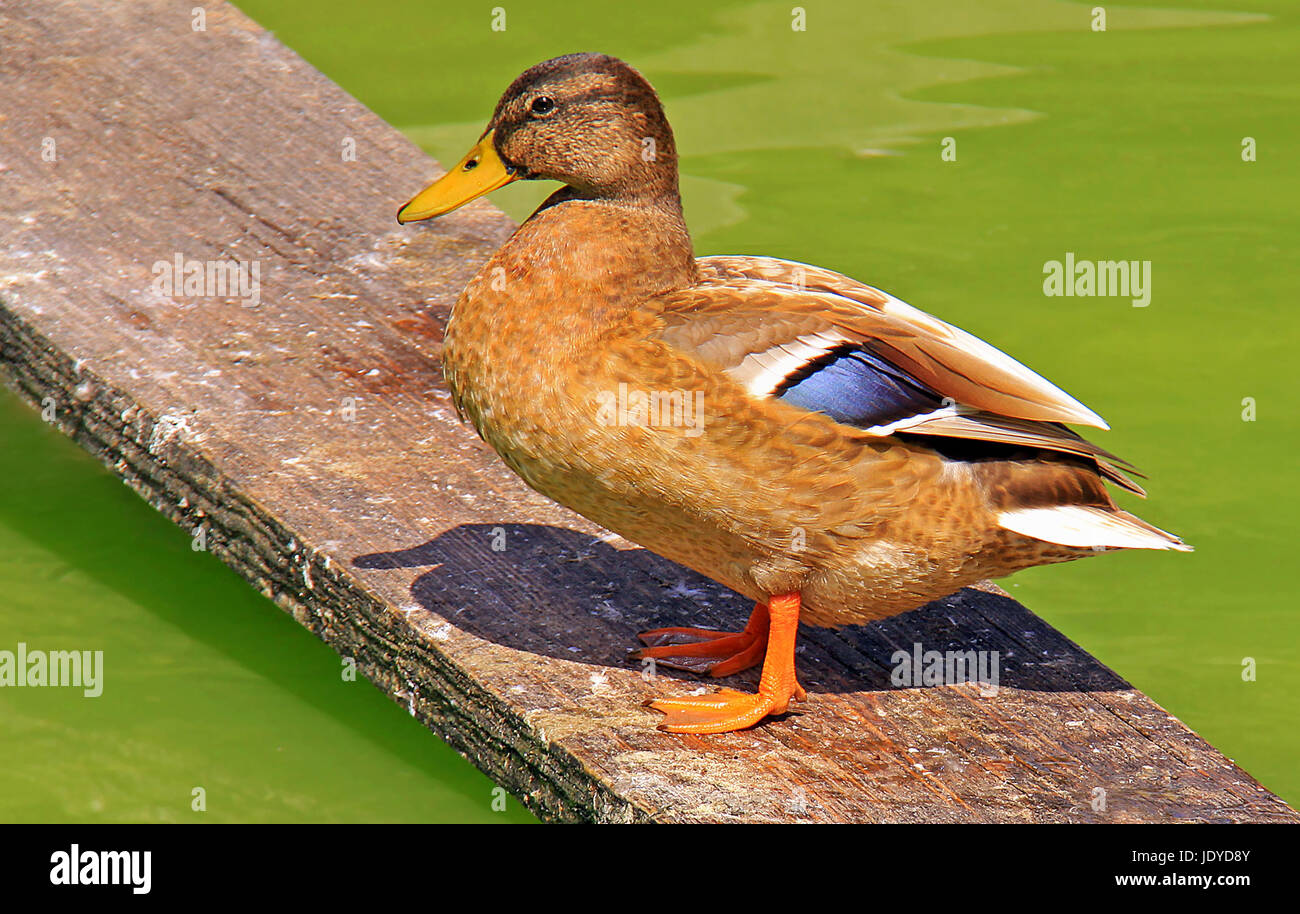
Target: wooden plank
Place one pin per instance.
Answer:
(377, 531)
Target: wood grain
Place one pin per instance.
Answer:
(378, 532)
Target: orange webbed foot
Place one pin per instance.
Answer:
(702, 650)
(727, 709)
(720, 712)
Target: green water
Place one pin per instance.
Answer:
(207, 684)
(823, 146)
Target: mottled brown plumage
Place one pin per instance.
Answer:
(655, 394)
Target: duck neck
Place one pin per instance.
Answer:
(581, 265)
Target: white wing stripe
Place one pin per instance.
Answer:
(902, 425)
(763, 372)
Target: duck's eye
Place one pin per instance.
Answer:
(542, 105)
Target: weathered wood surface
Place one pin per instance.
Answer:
(377, 533)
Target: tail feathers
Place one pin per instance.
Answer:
(1085, 526)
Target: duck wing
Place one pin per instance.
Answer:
(822, 341)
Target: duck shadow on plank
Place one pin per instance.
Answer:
(561, 593)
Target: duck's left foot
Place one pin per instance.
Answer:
(701, 650)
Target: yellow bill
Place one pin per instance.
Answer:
(479, 173)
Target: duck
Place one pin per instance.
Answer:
(811, 442)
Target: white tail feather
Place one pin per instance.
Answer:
(1084, 527)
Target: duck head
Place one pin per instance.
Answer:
(587, 120)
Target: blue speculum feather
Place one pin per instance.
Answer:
(859, 388)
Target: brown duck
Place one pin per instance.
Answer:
(809, 441)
